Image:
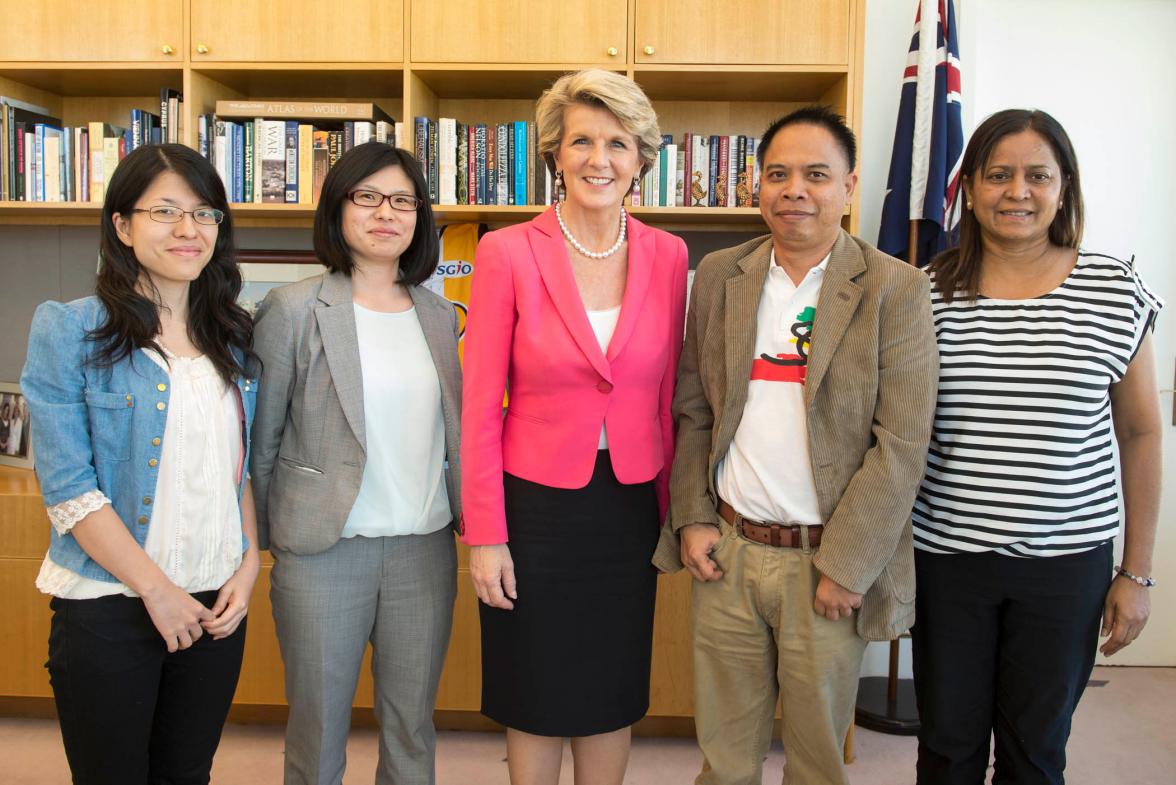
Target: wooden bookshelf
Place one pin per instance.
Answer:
(713, 68)
(709, 67)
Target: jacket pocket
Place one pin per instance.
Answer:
(300, 467)
(110, 424)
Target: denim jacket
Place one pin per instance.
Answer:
(99, 428)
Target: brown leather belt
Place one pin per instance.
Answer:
(778, 535)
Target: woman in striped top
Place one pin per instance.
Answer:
(1046, 367)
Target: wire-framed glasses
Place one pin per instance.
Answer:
(166, 214)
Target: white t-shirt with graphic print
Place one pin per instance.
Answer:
(766, 474)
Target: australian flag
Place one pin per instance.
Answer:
(928, 139)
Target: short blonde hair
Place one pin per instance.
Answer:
(599, 88)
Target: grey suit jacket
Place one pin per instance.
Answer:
(309, 444)
(870, 395)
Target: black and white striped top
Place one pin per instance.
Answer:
(1022, 461)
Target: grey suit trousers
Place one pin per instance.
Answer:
(397, 593)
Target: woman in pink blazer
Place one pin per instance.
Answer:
(578, 316)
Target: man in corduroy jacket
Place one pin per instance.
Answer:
(805, 396)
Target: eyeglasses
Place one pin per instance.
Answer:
(208, 216)
(403, 202)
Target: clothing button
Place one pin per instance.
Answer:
(604, 386)
(142, 520)
(161, 387)
(146, 500)
(152, 462)
(129, 397)
(155, 442)
(161, 406)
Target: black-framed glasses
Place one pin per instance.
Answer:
(165, 214)
(406, 203)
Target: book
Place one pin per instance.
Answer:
(447, 168)
(520, 162)
(364, 131)
(480, 136)
(680, 178)
(273, 161)
(700, 168)
(305, 163)
(249, 164)
(433, 163)
(302, 110)
(714, 152)
(462, 186)
(237, 146)
(290, 143)
(320, 162)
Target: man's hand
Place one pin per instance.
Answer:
(698, 540)
(1124, 614)
(834, 601)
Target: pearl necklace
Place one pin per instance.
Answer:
(584, 251)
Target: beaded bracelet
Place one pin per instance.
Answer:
(1146, 583)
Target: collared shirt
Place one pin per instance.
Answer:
(766, 474)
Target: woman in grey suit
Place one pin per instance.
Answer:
(355, 466)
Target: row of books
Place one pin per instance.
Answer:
(723, 172)
(44, 160)
(269, 152)
(481, 163)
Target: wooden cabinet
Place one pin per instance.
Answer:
(109, 30)
(360, 31)
(518, 31)
(743, 32)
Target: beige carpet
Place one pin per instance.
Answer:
(1124, 734)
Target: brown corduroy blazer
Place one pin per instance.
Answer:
(870, 394)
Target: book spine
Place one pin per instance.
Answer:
(39, 161)
(163, 107)
(400, 140)
(502, 163)
(462, 185)
(491, 164)
(715, 153)
(511, 141)
(471, 164)
(447, 169)
(755, 172)
(699, 184)
(480, 163)
(348, 135)
(291, 145)
(420, 142)
(520, 162)
(669, 163)
(250, 161)
(321, 163)
(305, 110)
(434, 161)
(136, 128)
(534, 167)
(273, 161)
(680, 178)
(305, 163)
(687, 145)
(238, 162)
(334, 148)
(364, 132)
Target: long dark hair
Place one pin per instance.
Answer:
(215, 321)
(957, 270)
(419, 259)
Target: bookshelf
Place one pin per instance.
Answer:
(713, 68)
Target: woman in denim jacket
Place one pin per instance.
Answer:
(142, 397)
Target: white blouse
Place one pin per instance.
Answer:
(604, 324)
(195, 531)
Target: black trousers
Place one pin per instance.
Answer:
(1003, 646)
(130, 712)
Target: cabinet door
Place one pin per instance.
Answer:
(298, 31)
(743, 32)
(64, 31)
(518, 31)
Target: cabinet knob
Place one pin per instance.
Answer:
(202, 48)
(167, 49)
(612, 51)
(648, 50)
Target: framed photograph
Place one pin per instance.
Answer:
(265, 270)
(16, 444)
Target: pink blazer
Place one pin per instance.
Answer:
(528, 332)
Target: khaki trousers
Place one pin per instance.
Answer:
(757, 637)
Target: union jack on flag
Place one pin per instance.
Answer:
(928, 140)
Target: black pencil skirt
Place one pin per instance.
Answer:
(572, 657)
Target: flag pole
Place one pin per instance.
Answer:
(913, 244)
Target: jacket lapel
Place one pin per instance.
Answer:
(838, 300)
(741, 306)
(336, 321)
(641, 249)
(437, 325)
(551, 258)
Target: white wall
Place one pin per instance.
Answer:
(1103, 70)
